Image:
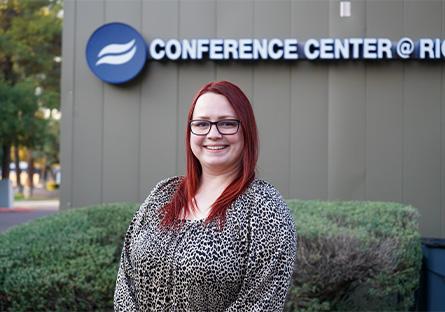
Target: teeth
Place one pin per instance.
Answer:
(215, 147)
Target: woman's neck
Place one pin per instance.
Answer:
(212, 184)
(217, 180)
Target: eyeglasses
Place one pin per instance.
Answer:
(225, 127)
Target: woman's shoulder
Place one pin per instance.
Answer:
(162, 192)
(166, 186)
(270, 215)
(268, 201)
(263, 189)
(159, 195)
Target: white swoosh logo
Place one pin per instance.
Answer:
(117, 54)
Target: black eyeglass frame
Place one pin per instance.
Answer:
(216, 125)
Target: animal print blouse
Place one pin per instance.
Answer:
(245, 267)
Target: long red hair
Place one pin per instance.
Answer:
(182, 200)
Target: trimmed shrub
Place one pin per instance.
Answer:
(351, 256)
(355, 256)
(64, 262)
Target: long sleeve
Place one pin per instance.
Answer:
(271, 260)
(125, 292)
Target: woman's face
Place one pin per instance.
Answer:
(216, 152)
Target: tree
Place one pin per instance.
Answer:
(19, 123)
(30, 48)
(50, 148)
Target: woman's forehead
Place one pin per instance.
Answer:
(213, 105)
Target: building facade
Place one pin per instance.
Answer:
(354, 129)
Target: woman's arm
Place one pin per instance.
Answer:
(271, 259)
(125, 292)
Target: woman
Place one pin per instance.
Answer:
(217, 239)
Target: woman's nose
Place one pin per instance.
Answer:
(214, 133)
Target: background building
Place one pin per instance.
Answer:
(335, 130)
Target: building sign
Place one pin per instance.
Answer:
(116, 52)
(292, 49)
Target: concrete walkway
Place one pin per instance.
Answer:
(24, 211)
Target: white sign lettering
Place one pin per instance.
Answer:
(292, 49)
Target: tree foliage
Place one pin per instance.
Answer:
(30, 35)
(18, 109)
(30, 49)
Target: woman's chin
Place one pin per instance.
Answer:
(218, 164)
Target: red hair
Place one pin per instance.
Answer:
(183, 197)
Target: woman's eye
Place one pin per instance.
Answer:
(227, 124)
(201, 124)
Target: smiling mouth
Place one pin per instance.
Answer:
(215, 147)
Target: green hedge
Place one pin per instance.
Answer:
(351, 256)
(63, 262)
(355, 256)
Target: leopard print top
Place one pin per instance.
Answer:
(246, 266)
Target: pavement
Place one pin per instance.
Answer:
(26, 210)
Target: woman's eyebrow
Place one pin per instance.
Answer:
(218, 118)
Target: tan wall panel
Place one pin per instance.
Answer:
(347, 132)
(121, 121)
(442, 125)
(421, 181)
(346, 129)
(421, 178)
(159, 96)
(384, 107)
(347, 112)
(234, 19)
(88, 112)
(442, 157)
(67, 103)
(309, 107)
(384, 119)
(271, 97)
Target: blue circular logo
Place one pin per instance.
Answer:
(116, 53)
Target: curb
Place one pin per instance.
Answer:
(17, 209)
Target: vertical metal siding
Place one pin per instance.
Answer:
(421, 120)
(347, 114)
(158, 119)
(329, 130)
(309, 106)
(121, 131)
(442, 141)
(234, 19)
(67, 99)
(384, 107)
(271, 95)
(88, 112)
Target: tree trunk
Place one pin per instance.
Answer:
(44, 173)
(6, 148)
(30, 172)
(18, 171)
(7, 69)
